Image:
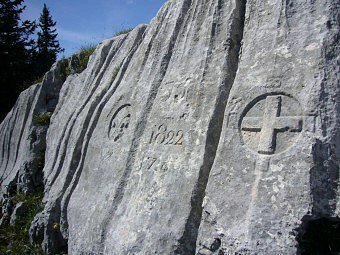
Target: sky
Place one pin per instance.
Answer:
(84, 22)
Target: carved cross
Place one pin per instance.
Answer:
(270, 124)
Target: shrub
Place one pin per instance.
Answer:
(43, 119)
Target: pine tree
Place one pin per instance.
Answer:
(16, 49)
(47, 44)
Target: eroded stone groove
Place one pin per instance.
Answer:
(73, 117)
(92, 114)
(23, 136)
(189, 238)
(29, 106)
(10, 135)
(93, 78)
(5, 158)
(90, 123)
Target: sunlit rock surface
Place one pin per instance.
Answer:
(212, 130)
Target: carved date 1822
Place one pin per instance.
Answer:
(166, 137)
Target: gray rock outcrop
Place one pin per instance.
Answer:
(23, 134)
(277, 163)
(212, 130)
(20, 210)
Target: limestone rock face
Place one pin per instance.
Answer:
(212, 130)
(277, 163)
(135, 132)
(19, 211)
(23, 134)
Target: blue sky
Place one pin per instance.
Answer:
(81, 22)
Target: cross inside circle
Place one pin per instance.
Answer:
(270, 124)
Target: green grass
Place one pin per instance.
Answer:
(14, 240)
(43, 119)
(85, 52)
(123, 31)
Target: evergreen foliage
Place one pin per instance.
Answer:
(47, 43)
(16, 52)
(23, 60)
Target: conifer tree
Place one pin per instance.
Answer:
(47, 44)
(16, 49)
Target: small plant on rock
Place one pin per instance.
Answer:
(123, 31)
(85, 52)
(43, 119)
(15, 239)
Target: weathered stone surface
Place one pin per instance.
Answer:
(23, 134)
(124, 146)
(175, 141)
(23, 137)
(19, 211)
(278, 157)
(36, 231)
(121, 130)
(6, 210)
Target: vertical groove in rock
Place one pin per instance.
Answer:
(90, 124)
(324, 176)
(29, 108)
(2, 134)
(140, 127)
(187, 243)
(3, 157)
(147, 53)
(91, 116)
(74, 116)
(25, 100)
(10, 136)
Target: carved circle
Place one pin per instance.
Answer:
(119, 122)
(271, 123)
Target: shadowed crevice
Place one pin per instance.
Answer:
(319, 232)
(324, 177)
(187, 243)
(318, 235)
